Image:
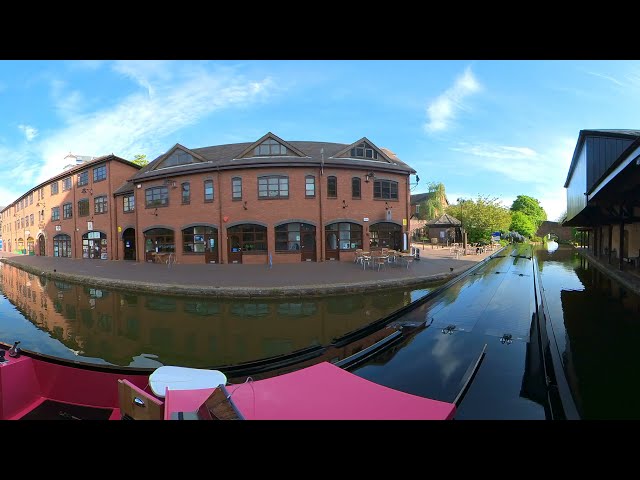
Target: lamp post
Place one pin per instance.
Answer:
(463, 231)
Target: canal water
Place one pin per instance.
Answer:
(105, 326)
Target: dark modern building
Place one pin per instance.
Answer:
(603, 194)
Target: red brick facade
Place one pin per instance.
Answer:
(170, 225)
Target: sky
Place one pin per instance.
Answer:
(490, 128)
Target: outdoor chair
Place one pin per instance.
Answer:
(381, 261)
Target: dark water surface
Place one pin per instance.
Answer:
(82, 323)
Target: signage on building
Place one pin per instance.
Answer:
(89, 226)
(58, 228)
(404, 222)
(119, 229)
(365, 219)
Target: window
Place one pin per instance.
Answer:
(248, 238)
(274, 186)
(31, 198)
(100, 204)
(195, 239)
(61, 246)
(83, 178)
(67, 209)
(309, 186)
(178, 157)
(31, 219)
(332, 187)
(364, 150)
(99, 173)
(289, 236)
(269, 148)
(186, 193)
(385, 190)
(355, 188)
(236, 188)
(208, 190)
(54, 188)
(128, 203)
(343, 236)
(156, 197)
(385, 234)
(66, 184)
(83, 207)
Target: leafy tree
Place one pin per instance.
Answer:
(140, 159)
(523, 224)
(433, 206)
(481, 217)
(530, 207)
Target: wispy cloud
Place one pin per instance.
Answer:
(176, 96)
(443, 110)
(29, 132)
(606, 77)
(538, 173)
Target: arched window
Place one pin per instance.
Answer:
(158, 240)
(343, 236)
(249, 237)
(355, 188)
(332, 187)
(62, 245)
(385, 234)
(194, 239)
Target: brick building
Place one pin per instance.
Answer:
(255, 202)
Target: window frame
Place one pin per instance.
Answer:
(162, 200)
(306, 186)
(213, 196)
(65, 181)
(188, 192)
(265, 180)
(332, 179)
(101, 201)
(56, 217)
(82, 179)
(81, 209)
(99, 173)
(128, 201)
(236, 182)
(359, 188)
(378, 184)
(67, 208)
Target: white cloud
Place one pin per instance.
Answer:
(141, 121)
(29, 131)
(607, 77)
(442, 110)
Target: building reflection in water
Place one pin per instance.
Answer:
(133, 329)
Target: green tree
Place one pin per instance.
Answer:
(481, 217)
(140, 160)
(433, 206)
(531, 208)
(523, 224)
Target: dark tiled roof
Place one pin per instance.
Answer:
(444, 221)
(225, 157)
(126, 187)
(420, 197)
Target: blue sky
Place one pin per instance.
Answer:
(498, 128)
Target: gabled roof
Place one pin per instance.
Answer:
(627, 134)
(444, 221)
(245, 153)
(156, 164)
(346, 153)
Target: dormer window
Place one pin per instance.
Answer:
(364, 150)
(270, 148)
(178, 157)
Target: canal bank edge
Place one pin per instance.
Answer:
(180, 290)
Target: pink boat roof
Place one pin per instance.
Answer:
(326, 392)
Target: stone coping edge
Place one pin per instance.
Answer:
(178, 290)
